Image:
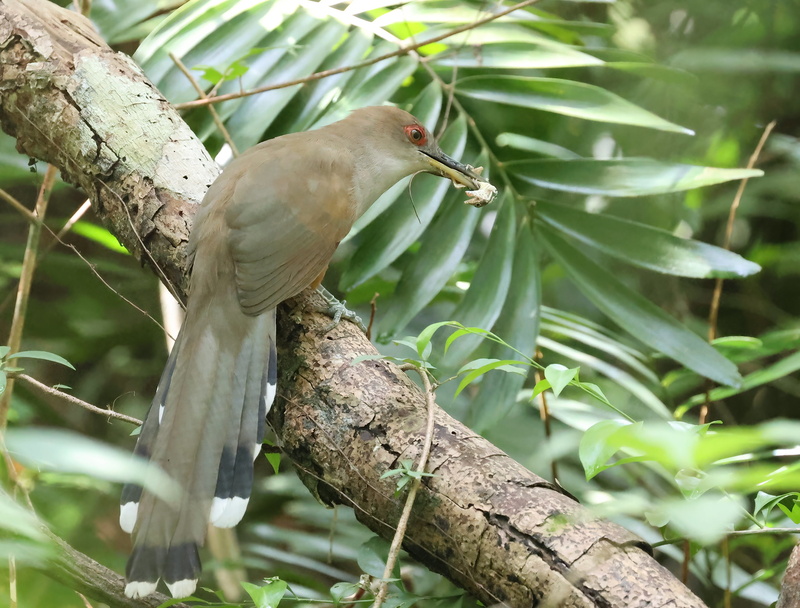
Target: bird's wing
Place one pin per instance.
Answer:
(281, 239)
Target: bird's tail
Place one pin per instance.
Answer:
(204, 429)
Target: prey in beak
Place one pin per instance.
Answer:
(480, 192)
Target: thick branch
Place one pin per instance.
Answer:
(484, 521)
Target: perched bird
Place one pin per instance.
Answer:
(266, 230)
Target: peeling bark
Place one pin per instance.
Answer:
(483, 520)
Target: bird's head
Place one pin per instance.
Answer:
(401, 145)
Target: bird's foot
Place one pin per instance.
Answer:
(337, 311)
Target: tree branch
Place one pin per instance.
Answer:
(483, 520)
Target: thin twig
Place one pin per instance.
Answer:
(26, 213)
(544, 414)
(15, 334)
(726, 555)
(25, 281)
(715, 299)
(212, 110)
(713, 313)
(332, 72)
(373, 310)
(85, 206)
(402, 524)
(54, 392)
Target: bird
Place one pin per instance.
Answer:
(265, 231)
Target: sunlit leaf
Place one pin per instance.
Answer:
(514, 55)
(566, 97)
(68, 452)
(268, 595)
(559, 376)
(624, 177)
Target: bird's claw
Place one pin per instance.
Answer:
(337, 311)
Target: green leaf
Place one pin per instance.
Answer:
(268, 595)
(274, 460)
(514, 56)
(705, 519)
(518, 324)
(489, 286)
(793, 513)
(597, 446)
(372, 556)
(423, 341)
(563, 97)
(645, 246)
(249, 117)
(43, 355)
(341, 591)
(3, 381)
(211, 74)
(784, 367)
(540, 387)
(640, 317)
(68, 452)
(623, 178)
(559, 376)
(481, 366)
(537, 146)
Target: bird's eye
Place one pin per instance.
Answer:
(416, 135)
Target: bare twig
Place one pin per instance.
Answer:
(26, 213)
(373, 310)
(402, 524)
(332, 72)
(713, 313)
(212, 110)
(544, 414)
(15, 335)
(25, 281)
(53, 392)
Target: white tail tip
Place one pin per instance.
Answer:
(136, 589)
(227, 512)
(127, 516)
(183, 588)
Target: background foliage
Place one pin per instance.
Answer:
(601, 253)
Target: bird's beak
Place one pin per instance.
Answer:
(444, 166)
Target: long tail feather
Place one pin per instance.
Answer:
(202, 428)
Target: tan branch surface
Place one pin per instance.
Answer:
(483, 520)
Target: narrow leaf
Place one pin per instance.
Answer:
(484, 299)
(514, 56)
(43, 355)
(622, 177)
(645, 246)
(518, 324)
(563, 97)
(638, 316)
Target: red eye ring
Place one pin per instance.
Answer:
(416, 134)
